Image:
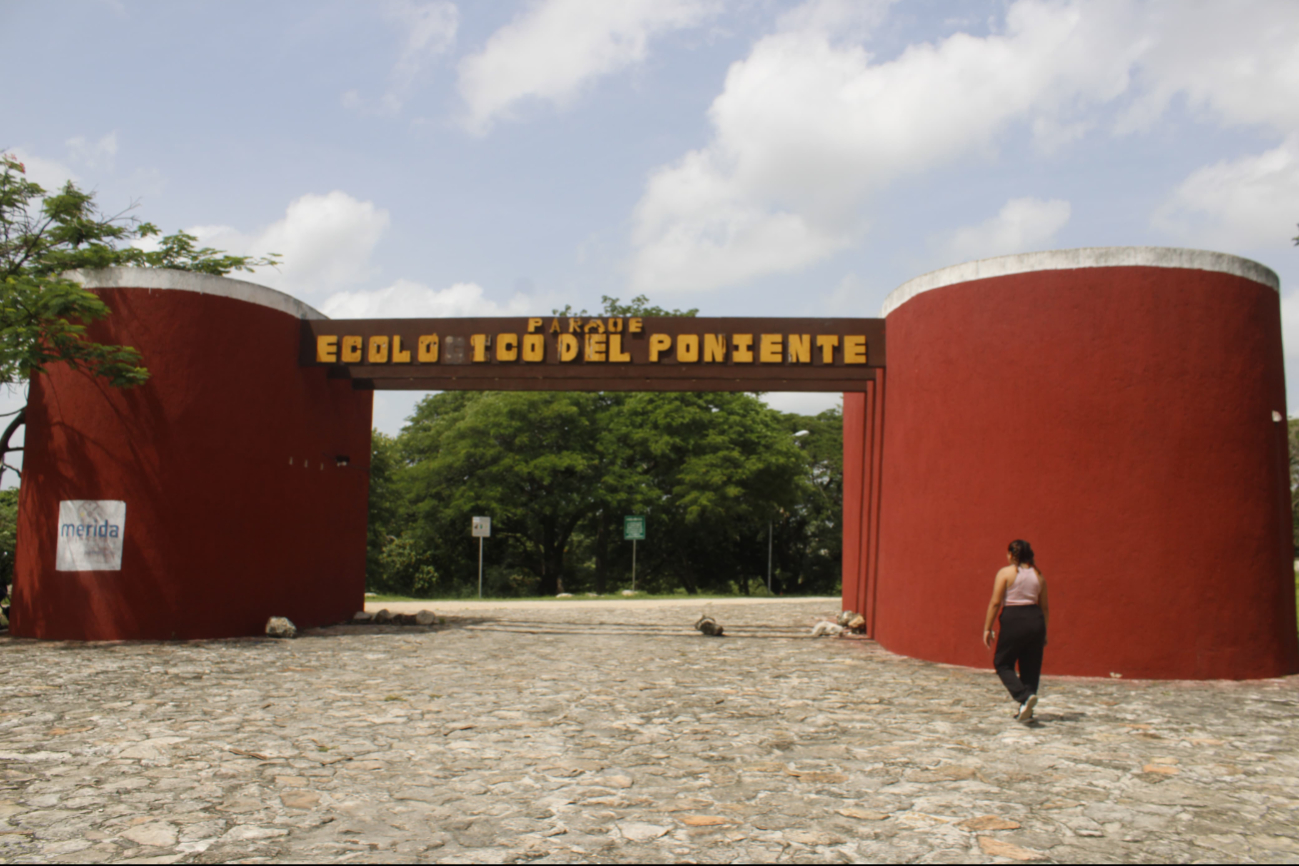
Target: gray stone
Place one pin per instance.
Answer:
(278, 626)
(634, 831)
(362, 616)
(426, 617)
(158, 834)
(709, 626)
(576, 733)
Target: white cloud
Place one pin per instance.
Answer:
(802, 402)
(408, 299)
(807, 129)
(52, 174)
(49, 173)
(1233, 64)
(99, 155)
(553, 49)
(326, 242)
(1236, 72)
(1022, 225)
(429, 29)
(840, 19)
(1236, 63)
(1249, 203)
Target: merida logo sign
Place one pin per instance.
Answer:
(91, 532)
(81, 530)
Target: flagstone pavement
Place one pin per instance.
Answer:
(617, 733)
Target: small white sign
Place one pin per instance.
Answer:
(91, 532)
(482, 527)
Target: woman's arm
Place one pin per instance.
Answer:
(1041, 599)
(999, 585)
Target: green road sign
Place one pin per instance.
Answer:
(633, 527)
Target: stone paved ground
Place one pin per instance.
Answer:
(599, 735)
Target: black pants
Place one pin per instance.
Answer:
(1023, 635)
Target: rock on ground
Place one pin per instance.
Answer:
(617, 735)
(278, 626)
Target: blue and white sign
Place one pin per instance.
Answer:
(90, 535)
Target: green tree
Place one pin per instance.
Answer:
(637, 306)
(809, 537)
(525, 459)
(8, 538)
(44, 314)
(715, 468)
(557, 472)
(385, 508)
(406, 568)
(1293, 426)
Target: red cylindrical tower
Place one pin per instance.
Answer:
(229, 488)
(1123, 409)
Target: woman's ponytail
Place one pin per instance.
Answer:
(1022, 552)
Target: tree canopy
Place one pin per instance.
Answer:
(43, 313)
(715, 474)
(557, 472)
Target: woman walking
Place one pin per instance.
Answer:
(1019, 591)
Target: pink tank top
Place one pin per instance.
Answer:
(1024, 589)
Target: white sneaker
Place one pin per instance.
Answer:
(1026, 709)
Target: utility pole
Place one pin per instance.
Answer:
(482, 528)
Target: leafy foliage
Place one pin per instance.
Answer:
(557, 472)
(1293, 426)
(638, 306)
(526, 459)
(8, 536)
(44, 314)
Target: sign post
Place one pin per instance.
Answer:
(482, 527)
(633, 530)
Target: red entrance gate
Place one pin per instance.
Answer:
(1122, 408)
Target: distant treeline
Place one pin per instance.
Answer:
(557, 473)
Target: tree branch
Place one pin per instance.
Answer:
(17, 422)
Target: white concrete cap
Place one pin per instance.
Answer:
(187, 281)
(1085, 257)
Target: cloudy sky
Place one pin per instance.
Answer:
(439, 158)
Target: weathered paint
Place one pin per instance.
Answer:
(226, 458)
(1120, 418)
(1115, 407)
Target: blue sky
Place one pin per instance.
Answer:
(427, 157)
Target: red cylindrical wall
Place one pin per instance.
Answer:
(1115, 408)
(237, 507)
